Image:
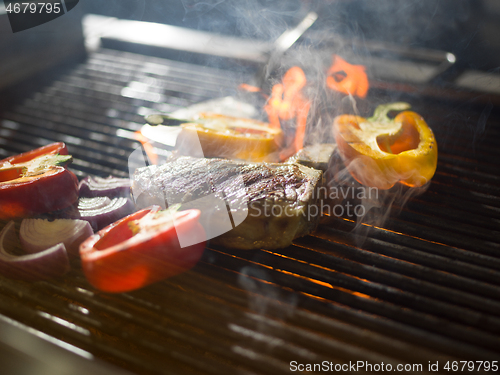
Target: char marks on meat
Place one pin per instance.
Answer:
(243, 205)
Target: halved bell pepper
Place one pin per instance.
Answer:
(37, 182)
(229, 137)
(380, 151)
(142, 248)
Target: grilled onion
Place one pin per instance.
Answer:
(110, 187)
(39, 234)
(46, 264)
(102, 211)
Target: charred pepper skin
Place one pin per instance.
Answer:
(380, 152)
(51, 187)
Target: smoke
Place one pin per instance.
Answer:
(122, 9)
(378, 210)
(264, 297)
(482, 122)
(369, 207)
(345, 196)
(368, 192)
(195, 8)
(456, 118)
(255, 19)
(357, 20)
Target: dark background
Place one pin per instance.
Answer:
(468, 28)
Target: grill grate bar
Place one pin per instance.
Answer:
(82, 112)
(91, 157)
(485, 211)
(187, 84)
(452, 180)
(449, 272)
(475, 199)
(424, 285)
(405, 224)
(164, 334)
(460, 147)
(167, 68)
(383, 273)
(333, 275)
(377, 322)
(484, 221)
(352, 298)
(320, 342)
(412, 243)
(469, 169)
(482, 236)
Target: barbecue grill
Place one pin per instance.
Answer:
(422, 287)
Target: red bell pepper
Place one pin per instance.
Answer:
(36, 182)
(142, 248)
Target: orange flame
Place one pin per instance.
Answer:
(249, 88)
(346, 78)
(287, 102)
(148, 147)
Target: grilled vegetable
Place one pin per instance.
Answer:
(110, 186)
(380, 151)
(36, 182)
(229, 137)
(48, 263)
(141, 249)
(102, 211)
(39, 234)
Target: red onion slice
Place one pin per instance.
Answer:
(104, 187)
(101, 211)
(52, 262)
(39, 234)
(91, 204)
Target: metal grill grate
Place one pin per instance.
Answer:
(426, 286)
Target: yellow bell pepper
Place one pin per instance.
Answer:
(230, 137)
(380, 151)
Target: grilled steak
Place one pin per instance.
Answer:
(243, 205)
